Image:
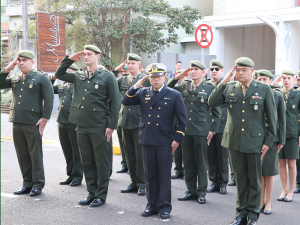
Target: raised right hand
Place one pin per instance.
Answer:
(140, 82)
(119, 67)
(182, 74)
(228, 76)
(277, 80)
(12, 65)
(75, 57)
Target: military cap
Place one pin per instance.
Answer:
(197, 64)
(277, 86)
(298, 74)
(156, 69)
(255, 73)
(74, 67)
(92, 48)
(26, 54)
(125, 67)
(132, 56)
(216, 62)
(265, 73)
(244, 61)
(289, 72)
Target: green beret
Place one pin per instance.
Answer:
(26, 54)
(216, 62)
(265, 73)
(244, 61)
(132, 56)
(289, 72)
(255, 73)
(125, 67)
(156, 69)
(299, 73)
(197, 64)
(92, 48)
(277, 86)
(74, 67)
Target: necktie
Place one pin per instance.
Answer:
(132, 79)
(24, 76)
(194, 88)
(155, 93)
(90, 74)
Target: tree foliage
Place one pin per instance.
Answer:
(148, 25)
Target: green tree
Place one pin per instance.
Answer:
(148, 25)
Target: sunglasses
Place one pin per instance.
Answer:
(217, 69)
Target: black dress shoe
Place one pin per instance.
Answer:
(65, 182)
(97, 202)
(297, 190)
(223, 190)
(129, 190)
(165, 216)
(35, 192)
(187, 196)
(141, 191)
(262, 208)
(24, 190)
(177, 176)
(213, 188)
(75, 183)
(87, 201)
(240, 221)
(148, 212)
(123, 170)
(252, 221)
(202, 199)
(232, 183)
(281, 199)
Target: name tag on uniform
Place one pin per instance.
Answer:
(147, 98)
(167, 98)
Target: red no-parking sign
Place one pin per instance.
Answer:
(204, 36)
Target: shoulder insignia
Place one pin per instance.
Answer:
(42, 72)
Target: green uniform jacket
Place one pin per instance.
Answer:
(202, 119)
(65, 100)
(292, 113)
(129, 117)
(245, 130)
(27, 97)
(281, 121)
(89, 107)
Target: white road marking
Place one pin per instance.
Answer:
(8, 195)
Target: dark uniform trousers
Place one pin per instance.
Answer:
(195, 163)
(217, 156)
(68, 140)
(122, 146)
(298, 172)
(28, 144)
(178, 160)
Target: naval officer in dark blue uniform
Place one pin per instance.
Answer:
(159, 105)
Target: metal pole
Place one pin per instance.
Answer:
(25, 24)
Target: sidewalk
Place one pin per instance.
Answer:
(50, 133)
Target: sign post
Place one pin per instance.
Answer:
(204, 38)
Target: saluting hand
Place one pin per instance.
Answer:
(228, 76)
(209, 137)
(12, 65)
(108, 133)
(174, 146)
(140, 82)
(279, 147)
(41, 124)
(75, 57)
(182, 74)
(119, 67)
(263, 151)
(277, 80)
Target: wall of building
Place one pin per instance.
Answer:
(222, 7)
(206, 6)
(255, 42)
(294, 56)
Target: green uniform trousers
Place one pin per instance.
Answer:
(217, 157)
(110, 156)
(247, 172)
(231, 170)
(177, 156)
(134, 157)
(96, 161)
(68, 140)
(194, 151)
(28, 144)
(298, 172)
(122, 147)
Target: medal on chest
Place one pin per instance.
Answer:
(255, 107)
(96, 86)
(30, 85)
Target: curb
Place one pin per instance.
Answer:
(116, 148)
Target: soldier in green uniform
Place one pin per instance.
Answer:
(95, 120)
(290, 151)
(297, 189)
(270, 161)
(250, 104)
(129, 122)
(200, 129)
(67, 131)
(217, 155)
(31, 107)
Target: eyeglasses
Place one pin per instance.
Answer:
(215, 68)
(243, 70)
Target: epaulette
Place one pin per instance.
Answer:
(42, 72)
(209, 82)
(262, 83)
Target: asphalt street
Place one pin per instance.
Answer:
(59, 204)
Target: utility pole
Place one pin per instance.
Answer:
(25, 24)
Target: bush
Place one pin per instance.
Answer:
(6, 97)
